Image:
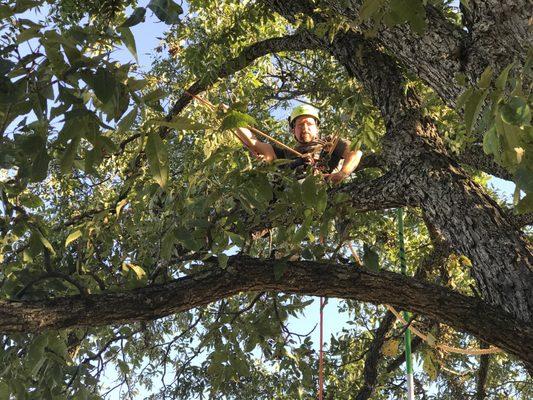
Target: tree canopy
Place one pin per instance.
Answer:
(138, 236)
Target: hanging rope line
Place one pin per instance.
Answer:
(321, 353)
(408, 357)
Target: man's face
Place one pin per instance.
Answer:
(305, 129)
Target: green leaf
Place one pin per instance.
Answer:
(44, 241)
(309, 191)
(223, 260)
(166, 10)
(501, 81)
(35, 357)
(516, 112)
(129, 41)
(417, 17)
(370, 258)
(11, 92)
(473, 107)
(127, 121)
(486, 77)
(263, 188)
(135, 18)
(68, 156)
(236, 119)
(460, 78)
(303, 230)
(27, 34)
(463, 98)
(30, 200)
(369, 8)
(491, 143)
(431, 340)
(57, 344)
(72, 237)
(6, 66)
(103, 83)
(4, 391)
(156, 152)
(321, 200)
(154, 95)
(6, 11)
(523, 177)
(39, 169)
(181, 123)
(431, 365)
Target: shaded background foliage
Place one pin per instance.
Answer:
(102, 190)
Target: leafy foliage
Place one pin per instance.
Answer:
(102, 190)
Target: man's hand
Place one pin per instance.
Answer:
(336, 177)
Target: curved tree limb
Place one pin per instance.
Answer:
(474, 156)
(245, 274)
(296, 42)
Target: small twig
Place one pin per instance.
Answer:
(48, 275)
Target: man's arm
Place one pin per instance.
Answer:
(351, 161)
(259, 149)
(263, 150)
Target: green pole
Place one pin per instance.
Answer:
(406, 316)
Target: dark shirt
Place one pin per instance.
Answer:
(326, 159)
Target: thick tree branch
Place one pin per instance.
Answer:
(387, 191)
(370, 372)
(474, 156)
(245, 274)
(500, 33)
(482, 374)
(296, 42)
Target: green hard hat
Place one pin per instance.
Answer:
(303, 109)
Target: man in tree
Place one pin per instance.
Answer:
(304, 124)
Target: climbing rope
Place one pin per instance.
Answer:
(321, 353)
(251, 128)
(403, 267)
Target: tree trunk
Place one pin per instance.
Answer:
(467, 217)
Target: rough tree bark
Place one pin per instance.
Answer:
(467, 217)
(245, 274)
